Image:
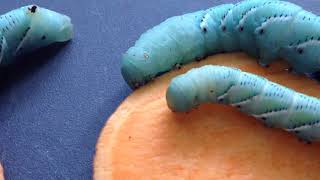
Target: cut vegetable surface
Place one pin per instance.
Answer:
(144, 139)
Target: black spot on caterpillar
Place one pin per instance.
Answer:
(26, 29)
(275, 105)
(33, 9)
(265, 29)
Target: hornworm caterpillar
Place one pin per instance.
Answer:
(29, 28)
(265, 29)
(272, 103)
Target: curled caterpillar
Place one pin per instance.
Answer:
(29, 28)
(265, 29)
(275, 105)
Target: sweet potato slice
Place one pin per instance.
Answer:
(143, 139)
(1, 172)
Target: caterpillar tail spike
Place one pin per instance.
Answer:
(30, 28)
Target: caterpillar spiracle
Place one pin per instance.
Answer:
(275, 105)
(29, 28)
(264, 29)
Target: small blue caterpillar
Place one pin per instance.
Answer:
(275, 105)
(265, 29)
(29, 28)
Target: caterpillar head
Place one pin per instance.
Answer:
(181, 94)
(46, 27)
(137, 67)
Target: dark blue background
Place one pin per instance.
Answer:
(54, 103)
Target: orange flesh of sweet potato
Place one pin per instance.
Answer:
(1, 173)
(143, 139)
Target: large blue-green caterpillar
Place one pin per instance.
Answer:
(272, 103)
(29, 28)
(265, 29)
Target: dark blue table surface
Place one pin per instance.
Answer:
(54, 104)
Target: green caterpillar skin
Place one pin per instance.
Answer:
(265, 29)
(29, 28)
(275, 105)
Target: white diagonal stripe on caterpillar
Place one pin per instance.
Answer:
(27, 29)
